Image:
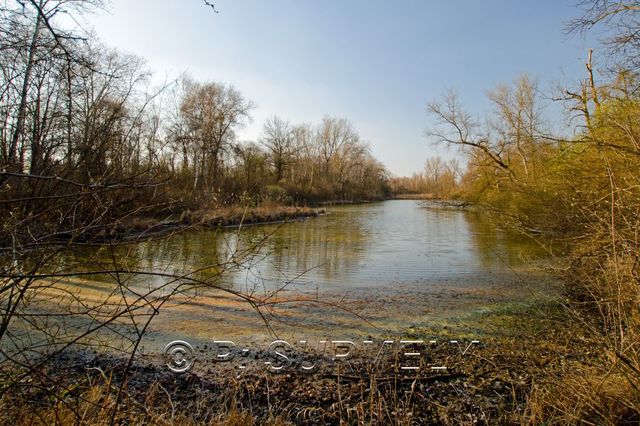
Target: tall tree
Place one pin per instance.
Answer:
(278, 138)
(212, 113)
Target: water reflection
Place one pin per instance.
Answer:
(496, 246)
(354, 246)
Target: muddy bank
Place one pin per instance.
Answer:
(237, 216)
(445, 204)
(487, 383)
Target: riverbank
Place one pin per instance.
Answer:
(225, 217)
(138, 228)
(236, 216)
(412, 196)
(446, 204)
(490, 382)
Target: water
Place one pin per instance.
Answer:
(395, 264)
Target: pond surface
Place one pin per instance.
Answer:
(377, 268)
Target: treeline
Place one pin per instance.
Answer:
(289, 163)
(440, 179)
(580, 188)
(76, 113)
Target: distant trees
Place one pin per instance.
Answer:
(306, 163)
(73, 109)
(442, 177)
(335, 135)
(77, 117)
(322, 162)
(439, 179)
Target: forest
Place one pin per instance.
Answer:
(77, 114)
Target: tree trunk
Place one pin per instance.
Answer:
(22, 106)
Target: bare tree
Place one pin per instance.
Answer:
(279, 140)
(518, 121)
(461, 129)
(621, 18)
(31, 27)
(212, 113)
(334, 134)
(211, 5)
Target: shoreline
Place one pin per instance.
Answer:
(489, 383)
(140, 229)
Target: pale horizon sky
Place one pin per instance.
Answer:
(374, 62)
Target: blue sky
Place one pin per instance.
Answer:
(374, 62)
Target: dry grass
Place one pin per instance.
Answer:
(585, 395)
(488, 386)
(603, 295)
(232, 216)
(96, 404)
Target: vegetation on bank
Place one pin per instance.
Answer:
(582, 187)
(440, 179)
(228, 217)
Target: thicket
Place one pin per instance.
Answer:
(582, 188)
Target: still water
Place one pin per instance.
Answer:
(394, 265)
(368, 245)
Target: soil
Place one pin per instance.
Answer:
(484, 383)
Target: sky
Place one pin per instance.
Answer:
(374, 62)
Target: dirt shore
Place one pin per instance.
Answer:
(484, 383)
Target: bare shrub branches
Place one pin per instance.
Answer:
(621, 20)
